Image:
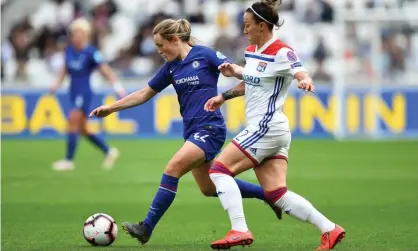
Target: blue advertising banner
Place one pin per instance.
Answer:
(356, 111)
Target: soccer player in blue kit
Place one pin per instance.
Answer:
(81, 59)
(193, 72)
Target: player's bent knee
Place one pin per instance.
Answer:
(75, 121)
(273, 196)
(176, 168)
(220, 168)
(74, 126)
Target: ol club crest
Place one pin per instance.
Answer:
(262, 67)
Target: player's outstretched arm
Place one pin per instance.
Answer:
(60, 79)
(214, 103)
(237, 91)
(111, 77)
(304, 81)
(134, 99)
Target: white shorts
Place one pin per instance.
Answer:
(259, 145)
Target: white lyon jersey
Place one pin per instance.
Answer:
(268, 74)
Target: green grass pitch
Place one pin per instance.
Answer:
(370, 188)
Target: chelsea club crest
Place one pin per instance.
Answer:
(195, 64)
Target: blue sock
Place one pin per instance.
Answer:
(72, 139)
(99, 142)
(162, 201)
(249, 190)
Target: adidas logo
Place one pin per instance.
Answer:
(253, 150)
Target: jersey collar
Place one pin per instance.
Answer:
(265, 45)
(188, 57)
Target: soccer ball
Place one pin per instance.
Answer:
(100, 230)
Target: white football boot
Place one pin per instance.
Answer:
(63, 165)
(111, 158)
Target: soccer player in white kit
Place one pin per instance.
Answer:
(263, 145)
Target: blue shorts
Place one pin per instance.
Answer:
(81, 102)
(209, 139)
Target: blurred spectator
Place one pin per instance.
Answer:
(327, 13)
(411, 50)
(320, 55)
(358, 51)
(21, 46)
(101, 15)
(287, 5)
(370, 4)
(78, 10)
(55, 54)
(6, 56)
(312, 11)
(222, 19)
(394, 55)
(321, 75)
(25, 26)
(54, 14)
(123, 62)
(348, 5)
(320, 52)
(147, 45)
(225, 45)
(193, 10)
(44, 40)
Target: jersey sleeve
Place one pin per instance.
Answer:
(287, 63)
(161, 80)
(97, 57)
(215, 58)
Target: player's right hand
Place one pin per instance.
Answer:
(306, 84)
(101, 111)
(214, 103)
(227, 69)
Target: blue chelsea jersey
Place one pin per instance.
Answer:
(80, 65)
(195, 80)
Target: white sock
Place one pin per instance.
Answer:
(301, 209)
(231, 200)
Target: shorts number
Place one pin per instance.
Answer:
(244, 133)
(79, 101)
(200, 138)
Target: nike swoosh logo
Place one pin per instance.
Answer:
(236, 238)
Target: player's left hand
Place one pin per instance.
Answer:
(101, 111)
(306, 84)
(214, 103)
